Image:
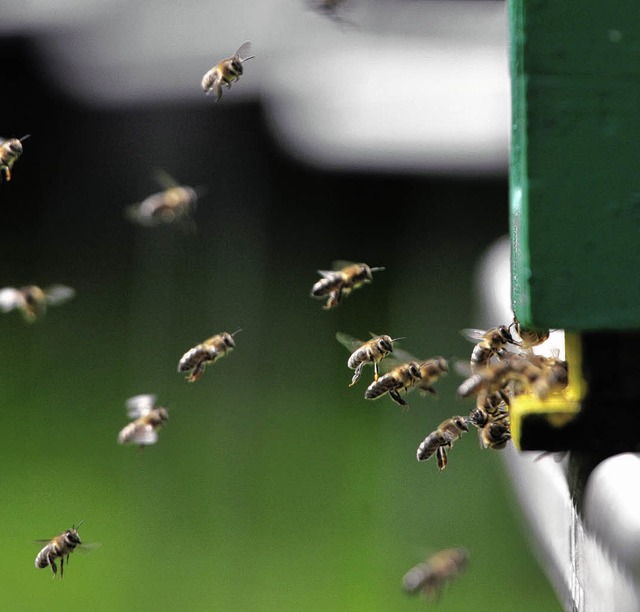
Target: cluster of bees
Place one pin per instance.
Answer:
(502, 365)
(500, 368)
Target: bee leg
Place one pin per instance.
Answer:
(395, 396)
(197, 373)
(54, 567)
(333, 301)
(356, 375)
(429, 389)
(376, 371)
(62, 567)
(441, 457)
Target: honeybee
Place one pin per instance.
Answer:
(530, 337)
(431, 576)
(148, 419)
(400, 378)
(489, 343)
(209, 351)
(442, 439)
(174, 204)
(494, 429)
(10, 151)
(32, 301)
(58, 548)
(430, 371)
(226, 72)
(372, 351)
(341, 281)
(554, 376)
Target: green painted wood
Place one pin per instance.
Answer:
(575, 163)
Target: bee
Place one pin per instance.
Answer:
(10, 151)
(226, 72)
(148, 419)
(494, 429)
(58, 548)
(489, 343)
(340, 282)
(442, 439)
(175, 203)
(400, 378)
(431, 576)
(530, 337)
(32, 301)
(430, 371)
(554, 377)
(209, 351)
(372, 351)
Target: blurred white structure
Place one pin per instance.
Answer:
(398, 85)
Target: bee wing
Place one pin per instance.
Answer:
(164, 179)
(401, 356)
(462, 367)
(9, 299)
(57, 294)
(349, 342)
(338, 264)
(472, 334)
(326, 273)
(243, 49)
(140, 405)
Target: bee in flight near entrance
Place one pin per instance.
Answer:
(32, 301)
(431, 576)
(209, 351)
(407, 373)
(175, 204)
(226, 71)
(58, 548)
(372, 351)
(10, 150)
(148, 419)
(341, 281)
(489, 343)
(441, 440)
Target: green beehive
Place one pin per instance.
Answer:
(575, 171)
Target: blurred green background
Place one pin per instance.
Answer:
(274, 486)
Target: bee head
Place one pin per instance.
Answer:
(504, 334)
(462, 423)
(385, 343)
(414, 370)
(163, 414)
(236, 64)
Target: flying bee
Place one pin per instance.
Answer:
(226, 71)
(489, 343)
(441, 440)
(58, 548)
(530, 337)
(431, 576)
(10, 151)
(32, 301)
(174, 204)
(341, 281)
(400, 378)
(508, 377)
(494, 429)
(372, 351)
(148, 418)
(430, 371)
(553, 378)
(209, 351)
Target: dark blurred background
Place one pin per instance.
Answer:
(274, 486)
